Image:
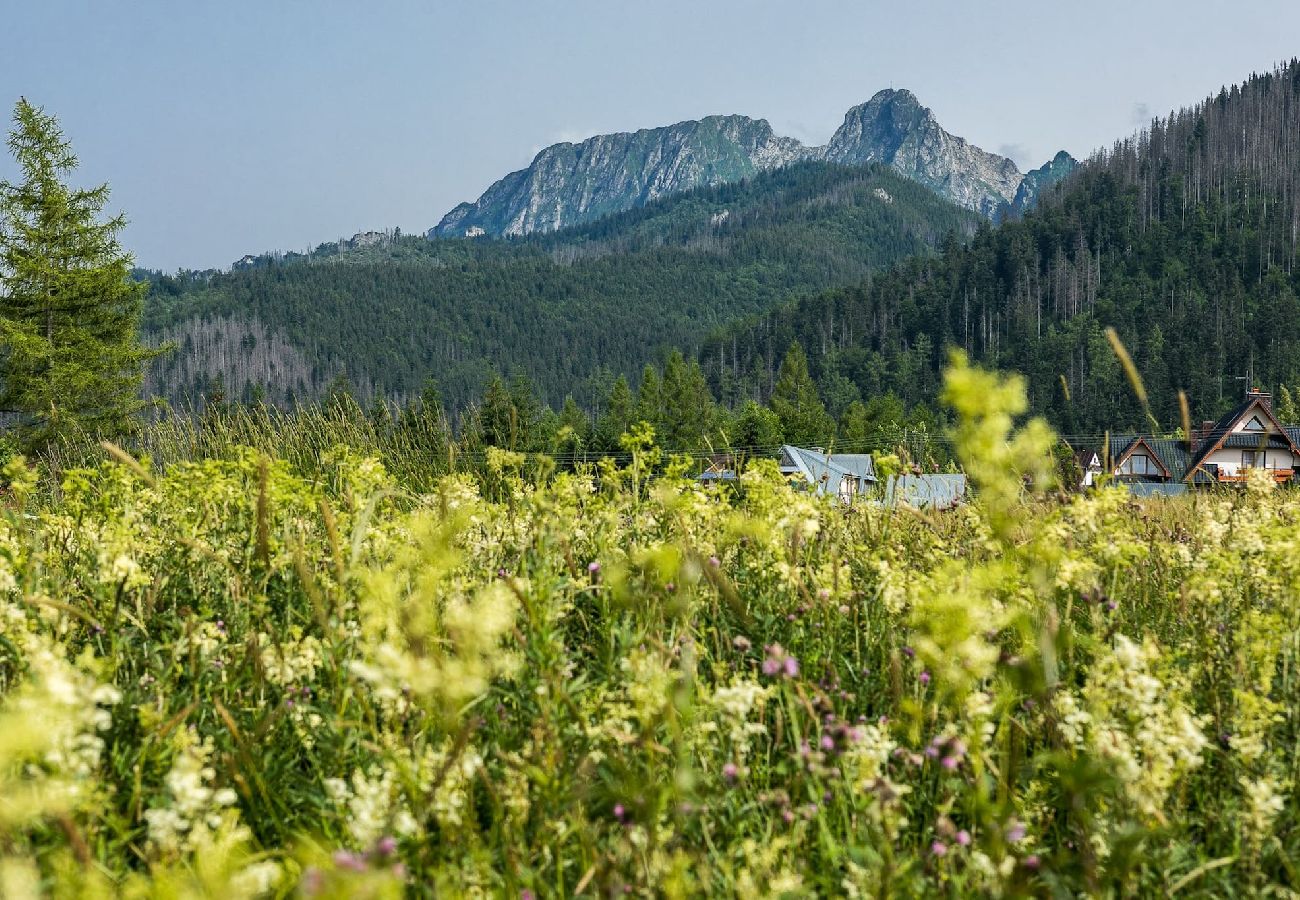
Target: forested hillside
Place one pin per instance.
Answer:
(1183, 238)
(567, 309)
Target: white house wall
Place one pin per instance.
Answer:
(1229, 460)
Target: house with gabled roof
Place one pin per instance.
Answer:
(844, 475)
(1089, 463)
(1248, 437)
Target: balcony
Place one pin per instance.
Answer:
(1281, 476)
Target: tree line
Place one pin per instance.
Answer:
(570, 310)
(1182, 239)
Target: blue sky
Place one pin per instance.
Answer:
(247, 125)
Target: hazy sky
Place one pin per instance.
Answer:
(235, 126)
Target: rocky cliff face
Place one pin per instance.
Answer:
(572, 183)
(568, 184)
(1039, 180)
(893, 127)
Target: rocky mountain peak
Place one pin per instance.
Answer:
(568, 184)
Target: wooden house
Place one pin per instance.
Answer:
(1248, 437)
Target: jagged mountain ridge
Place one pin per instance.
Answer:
(569, 184)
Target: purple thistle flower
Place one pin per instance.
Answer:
(386, 845)
(714, 561)
(1015, 832)
(963, 837)
(828, 742)
(1031, 861)
(909, 652)
(950, 762)
(939, 848)
(730, 771)
(593, 567)
(778, 662)
(345, 860)
(924, 677)
(619, 811)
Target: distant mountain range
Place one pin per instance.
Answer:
(570, 184)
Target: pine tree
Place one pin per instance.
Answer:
(688, 407)
(498, 420)
(620, 407)
(69, 310)
(650, 399)
(804, 419)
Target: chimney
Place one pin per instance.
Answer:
(1263, 397)
(1200, 434)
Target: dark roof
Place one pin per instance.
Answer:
(1255, 440)
(1219, 434)
(1171, 452)
(1179, 460)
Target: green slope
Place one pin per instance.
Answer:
(1183, 239)
(567, 309)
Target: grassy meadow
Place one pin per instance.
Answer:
(258, 671)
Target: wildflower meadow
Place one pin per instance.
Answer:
(240, 676)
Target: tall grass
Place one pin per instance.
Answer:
(414, 445)
(247, 673)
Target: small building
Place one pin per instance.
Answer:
(719, 468)
(844, 475)
(1089, 462)
(926, 491)
(1247, 437)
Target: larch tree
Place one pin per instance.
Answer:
(70, 357)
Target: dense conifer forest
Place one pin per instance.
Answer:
(1183, 238)
(569, 310)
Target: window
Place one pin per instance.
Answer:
(1140, 464)
(1248, 459)
(1254, 424)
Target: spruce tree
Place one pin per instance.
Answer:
(650, 399)
(620, 407)
(70, 357)
(804, 419)
(498, 419)
(688, 407)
